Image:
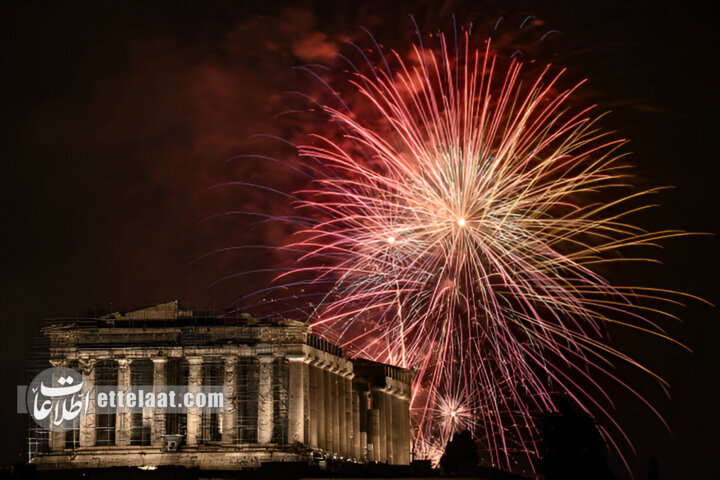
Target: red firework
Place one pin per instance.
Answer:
(460, 222)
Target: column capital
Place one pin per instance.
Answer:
(87, 365)
(58, 362)
(194, 359)
(123, 362)
(317, 361)
(265, 358)
(297, 357)
(159, 360)
(296, 397)
(265, 411)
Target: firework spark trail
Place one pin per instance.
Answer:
(452, 218)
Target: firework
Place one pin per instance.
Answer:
(461, 213)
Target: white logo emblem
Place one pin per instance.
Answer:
(56, 398)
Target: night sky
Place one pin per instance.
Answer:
(119, 118)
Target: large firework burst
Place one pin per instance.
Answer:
(461, 213)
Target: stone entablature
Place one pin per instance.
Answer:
(292, 395)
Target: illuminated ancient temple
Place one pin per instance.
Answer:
(292, 396)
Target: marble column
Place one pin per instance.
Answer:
(374, 444)
(342, 420)
(56, 438)
(365, 429)
(265, 399)
(229, 417)
(390, 431)
(348, 412)
(380, 447)
(306, 400)
(321, 411)
(194, 416)
(397, 437)
(337, 406)
(296, 398)
(356, 452)
(158, 419)
(404, 430)
(313, 407)
(329, 407)
(408, 427)
(87, 419)
(123, 416)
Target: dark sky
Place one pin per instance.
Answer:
(118, 117)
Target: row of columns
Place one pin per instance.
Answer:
(297, 400)
(324, 410)
(333, 425)
(373, 425)
(388, 427)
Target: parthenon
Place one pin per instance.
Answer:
(292, 396)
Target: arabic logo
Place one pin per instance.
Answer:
(56, 398)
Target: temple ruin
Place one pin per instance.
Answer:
(292, 396)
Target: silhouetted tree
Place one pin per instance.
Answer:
(571, 446)
(461, 456)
